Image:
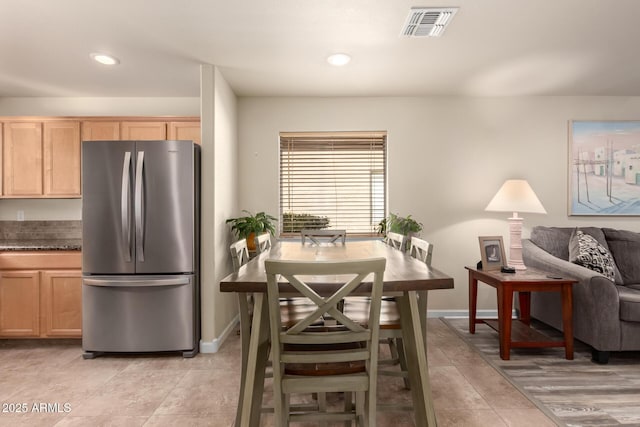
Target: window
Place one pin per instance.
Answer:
(332, 180)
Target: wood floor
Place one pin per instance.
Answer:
(577, 392)
(56, 387)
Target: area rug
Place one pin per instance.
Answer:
(571, 392)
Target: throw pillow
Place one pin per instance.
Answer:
(585, 250)
(625, 249)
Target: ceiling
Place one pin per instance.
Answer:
(279, 47)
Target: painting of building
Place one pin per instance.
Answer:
(604, 168)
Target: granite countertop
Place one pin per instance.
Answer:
(41, 245)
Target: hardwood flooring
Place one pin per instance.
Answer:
(574, 392)
(56, 387)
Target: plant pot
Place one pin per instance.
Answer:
(251, 241)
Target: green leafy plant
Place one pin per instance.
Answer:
(398, 224)
(259, 223)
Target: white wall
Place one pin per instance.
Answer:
(157, 106)
(447, 157)
(219, 202)
(70, 209)
(226, 196)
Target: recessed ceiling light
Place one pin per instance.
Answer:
(339, 59)
(105, 59)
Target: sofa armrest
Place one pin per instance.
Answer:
(536, 257)
(596, 304)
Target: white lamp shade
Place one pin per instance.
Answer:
(515, 195)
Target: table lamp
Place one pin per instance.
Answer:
(515, 196)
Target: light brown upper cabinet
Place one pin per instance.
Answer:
(22, 159)
(185, 130)
(62, 159)
(41, 159)
(100, 131)
(143, 131)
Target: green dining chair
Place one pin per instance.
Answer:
(291, 309)
(390, 325)
(341, 358)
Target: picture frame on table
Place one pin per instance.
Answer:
(492, 252)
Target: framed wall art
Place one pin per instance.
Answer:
(604, 168)
(492, 252)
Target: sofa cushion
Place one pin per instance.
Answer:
(555, 240)
(629, 304)
(625, 248)
(585, 250)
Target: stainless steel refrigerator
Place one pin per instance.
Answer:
(140, 247)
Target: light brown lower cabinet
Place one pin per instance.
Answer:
(40, 302)
(20, 303)
(61, 303)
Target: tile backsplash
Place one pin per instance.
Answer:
(40, 230)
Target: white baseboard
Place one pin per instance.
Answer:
(216, 343)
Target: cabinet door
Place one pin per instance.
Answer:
(185, 130)
(61, 303)
(19, 303)
(144, 131)
(22, 158)
(100, 131)
(1, 149)
(62, 159)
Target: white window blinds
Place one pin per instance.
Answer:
(332, 180)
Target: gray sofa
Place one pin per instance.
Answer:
(606, 313)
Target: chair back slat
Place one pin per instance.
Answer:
(422, 250)
(337, 356)
(338, 337)
(263, 242)
(328, 236)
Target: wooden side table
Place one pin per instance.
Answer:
(518, 333)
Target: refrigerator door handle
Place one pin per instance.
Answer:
(125, 208)
(136, 282)
(139, 207)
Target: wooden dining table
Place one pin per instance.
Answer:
(405, 278)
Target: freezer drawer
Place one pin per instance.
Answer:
(139, 314)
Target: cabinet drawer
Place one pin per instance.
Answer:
(40, 260)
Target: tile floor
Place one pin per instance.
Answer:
(56, 387)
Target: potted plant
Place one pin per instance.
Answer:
(248, 226)
(406, 226)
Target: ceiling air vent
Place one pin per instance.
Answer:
(427, 22)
